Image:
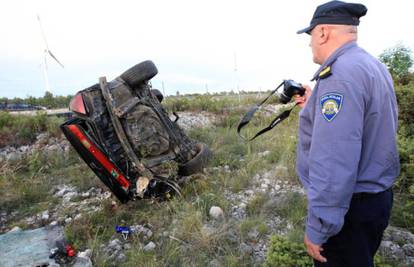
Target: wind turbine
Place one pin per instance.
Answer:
(46, 53)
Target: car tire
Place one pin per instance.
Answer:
(157, 93)
(140, 73)
(197, 163)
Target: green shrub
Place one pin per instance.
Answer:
(17, 130)
(284, 253)
(212, 103)
(405, 99)
(403, 210)
(380, 262)
(52, 126)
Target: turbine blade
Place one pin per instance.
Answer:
(53, 56)
(43, 33)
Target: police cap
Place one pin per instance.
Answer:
(336, 12)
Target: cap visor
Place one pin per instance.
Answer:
(307, 30)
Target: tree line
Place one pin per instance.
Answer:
(48, 101)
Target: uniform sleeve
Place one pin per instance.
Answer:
(334, 157)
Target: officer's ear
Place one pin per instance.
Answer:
(324, 32)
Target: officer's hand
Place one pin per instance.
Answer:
(301, 100)
(314, 250)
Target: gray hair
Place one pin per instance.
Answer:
(345, 28)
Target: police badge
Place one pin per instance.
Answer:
(331, 104)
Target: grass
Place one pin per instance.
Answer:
(184, 232)
(17, 130)
(26, 186)
(193, 238)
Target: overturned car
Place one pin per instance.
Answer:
(121, 130)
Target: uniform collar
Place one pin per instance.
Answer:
(331, 59)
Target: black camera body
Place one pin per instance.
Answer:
(290, 88)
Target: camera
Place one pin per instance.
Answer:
(290, 88)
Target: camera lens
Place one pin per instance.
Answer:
(284, 99)
(290, 89)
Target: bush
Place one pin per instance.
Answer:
(284, 253)
(405, 99)
(212, 103)
(17, 130)
(403, 211)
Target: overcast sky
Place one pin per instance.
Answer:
(196, 45)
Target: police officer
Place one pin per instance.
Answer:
(347, 158)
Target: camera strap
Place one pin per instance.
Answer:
(249, 115)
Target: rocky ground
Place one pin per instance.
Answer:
(190, 120)
(72, 204)
(398, 246)
(44, 144)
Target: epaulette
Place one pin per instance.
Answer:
(325, 73)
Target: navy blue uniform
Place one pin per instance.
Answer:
(347, 141)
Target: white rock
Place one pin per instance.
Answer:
(216, 212)
(80, 262)
(264, 153)
(63, 190)
(121, 257)
(42, 137)
(106, 195)
(249, 192)
(52, 148)
(31, 220)
(148, 234)
(150, 246)
(85, 254)
(68, 220)
(54, 223)
(24, 149)
(137, 229)
(68, 196)
(15, 229)
(45, 215)
(13, 156)
(115, 243)
(276, 187)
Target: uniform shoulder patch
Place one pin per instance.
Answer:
(331, 104)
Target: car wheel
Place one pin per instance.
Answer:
(140, 73)
(157, 94)
(197, 163)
